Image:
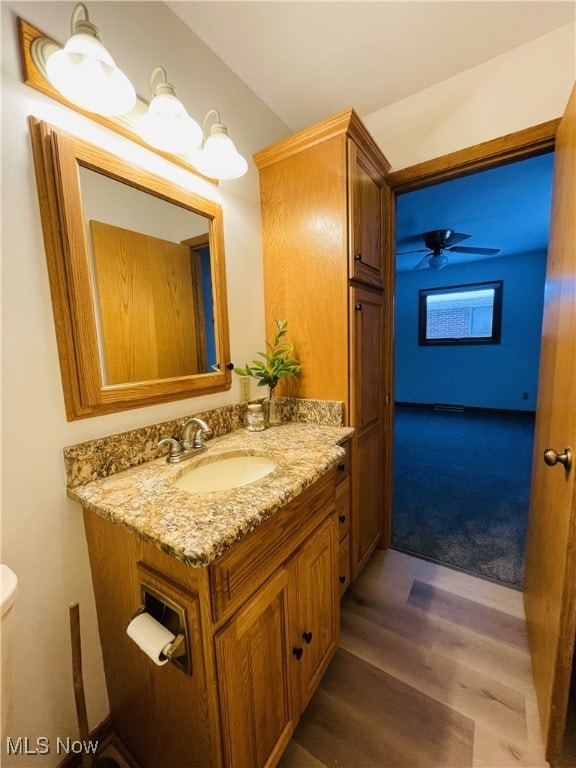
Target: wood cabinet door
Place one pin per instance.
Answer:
(367, 517)
(366, 200)
(368, 387)
(318, 606)
(367, 358)
(254, 655)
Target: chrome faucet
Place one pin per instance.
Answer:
(191, 442)
(198, 428)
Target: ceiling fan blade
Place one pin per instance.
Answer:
(405, 253)
(466, 249)
(456, 237)
(423, 261)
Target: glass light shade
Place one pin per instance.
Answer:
(219, 158)
(84, 73)
(438, 261)
(167, 126)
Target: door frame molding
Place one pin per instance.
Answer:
(520, 145)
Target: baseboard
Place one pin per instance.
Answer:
(459, 408)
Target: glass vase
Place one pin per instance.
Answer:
(274, 413)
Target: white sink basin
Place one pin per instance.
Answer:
(225, 473)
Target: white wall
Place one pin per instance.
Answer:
(42, 532)
(519, 89)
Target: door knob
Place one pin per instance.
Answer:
(551, 457)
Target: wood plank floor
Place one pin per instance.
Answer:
(432, 671)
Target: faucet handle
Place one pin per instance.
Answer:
(200, 434)
(193, 433)
(175, 451)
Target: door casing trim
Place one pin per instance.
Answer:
(520, 145)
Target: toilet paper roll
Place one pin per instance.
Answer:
(150, 636)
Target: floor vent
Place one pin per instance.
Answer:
(448, 407)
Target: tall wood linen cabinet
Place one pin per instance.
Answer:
(327, 241)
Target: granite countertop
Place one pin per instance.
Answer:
(197, 528)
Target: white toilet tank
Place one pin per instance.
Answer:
(8, 592)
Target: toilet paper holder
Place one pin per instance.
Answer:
(172, 616)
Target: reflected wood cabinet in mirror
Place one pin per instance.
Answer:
(137, 276)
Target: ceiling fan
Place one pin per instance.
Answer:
(438, 242)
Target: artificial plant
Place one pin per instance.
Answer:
(277, 363)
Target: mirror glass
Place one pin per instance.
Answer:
(151, 282)
(137, 277)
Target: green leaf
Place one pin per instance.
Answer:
(278, 362)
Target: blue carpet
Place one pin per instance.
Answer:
(462, 488)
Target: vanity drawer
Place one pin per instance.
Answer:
(343, 508)
(243, 568)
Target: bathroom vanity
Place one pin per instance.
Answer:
(247, 578)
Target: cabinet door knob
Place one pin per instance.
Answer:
(297, 652)
(307, 636)
(357, 257)
(358, 307)
(341, 579)
(341, 467)
(342, 518)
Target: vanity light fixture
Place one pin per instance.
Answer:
(166, 125)
(83, 71)
(218, 157)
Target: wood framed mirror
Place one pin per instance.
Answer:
(137, 276)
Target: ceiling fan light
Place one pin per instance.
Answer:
(438, 261)
(85, 73)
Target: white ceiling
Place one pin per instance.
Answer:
(308, 60)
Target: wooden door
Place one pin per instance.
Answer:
(318, 606)
(366, 209)
(257, 699)
(550, 571)
(147, 305)
(367, 378)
